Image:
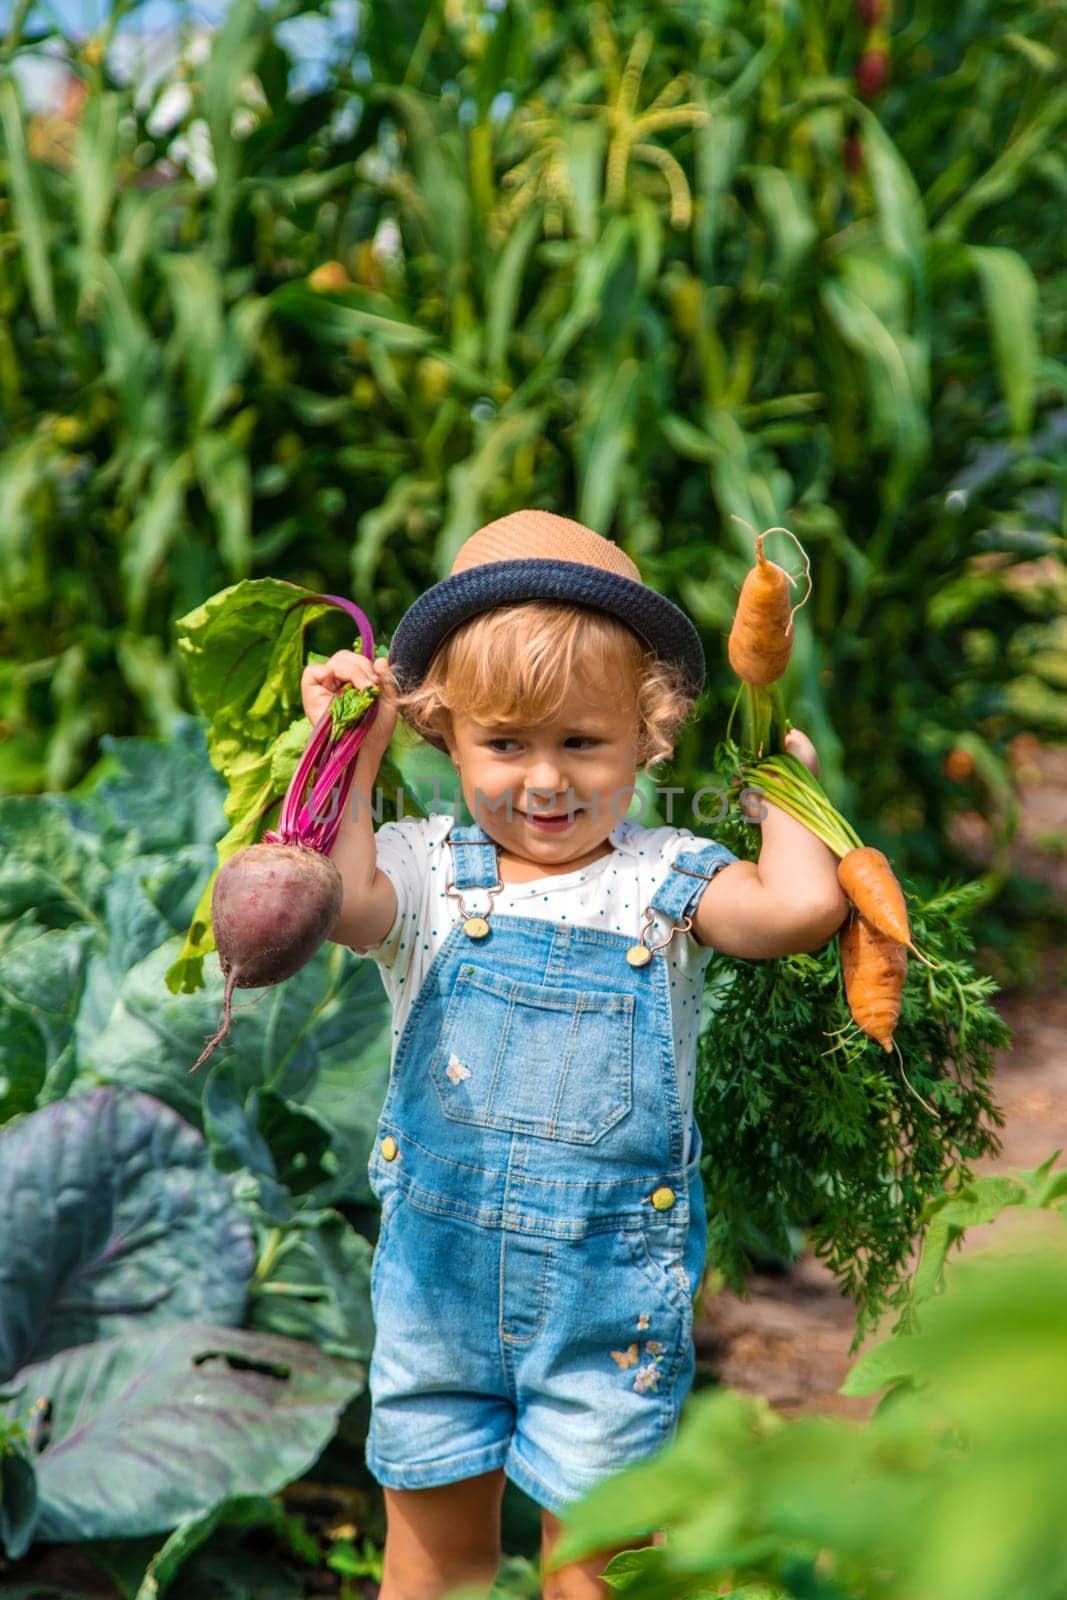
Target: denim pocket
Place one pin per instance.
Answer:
(526, 1058)
(659, 1250)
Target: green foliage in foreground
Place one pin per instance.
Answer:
(132, 1170)
(131, 1399)
(134, 1434)
(952, 1491)
(96, 893)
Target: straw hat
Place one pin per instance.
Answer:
(535, 555)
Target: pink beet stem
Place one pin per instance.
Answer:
(359, 618)
(306, 822)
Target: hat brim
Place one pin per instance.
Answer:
(425, 625)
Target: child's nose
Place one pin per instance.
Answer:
(545, 773)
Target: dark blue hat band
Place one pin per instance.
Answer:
(661, 624)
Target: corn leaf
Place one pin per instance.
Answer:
(1010, 295)
(96, 161)
(783, 200)
(892, 371)
(605, 445)
(33, 228)
(152, 532)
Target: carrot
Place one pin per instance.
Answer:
(761, 638)
(874, 968)
(867, 878)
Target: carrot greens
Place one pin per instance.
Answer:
(838, 1092)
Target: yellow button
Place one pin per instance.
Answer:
(389, 1148)
(663, 1199)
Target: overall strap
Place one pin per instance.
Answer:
(691, 872)
(474, 859)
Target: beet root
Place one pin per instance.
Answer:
(271, 909)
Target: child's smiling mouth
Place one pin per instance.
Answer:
(550, 822)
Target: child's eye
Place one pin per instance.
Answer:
(576, 738)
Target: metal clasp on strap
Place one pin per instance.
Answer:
(639, 955)
(475, 926)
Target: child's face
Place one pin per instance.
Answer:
(579, 767)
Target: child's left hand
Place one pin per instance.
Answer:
(798, 744)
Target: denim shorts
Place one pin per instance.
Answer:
(562, 1360)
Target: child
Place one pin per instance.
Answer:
(536, 1160)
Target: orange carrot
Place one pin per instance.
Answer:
(874, 968)
(762, 634)
(867, 878)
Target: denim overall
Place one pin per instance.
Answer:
(540, 1237)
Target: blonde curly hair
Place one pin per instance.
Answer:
(518, 663)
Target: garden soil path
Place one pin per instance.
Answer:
(790, 1339)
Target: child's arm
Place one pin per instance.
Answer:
(368, 906)
(787, 902)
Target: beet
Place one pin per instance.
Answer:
(271, 909)
(274, 903)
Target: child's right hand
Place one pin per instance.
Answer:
(321, 681)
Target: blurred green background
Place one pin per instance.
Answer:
(653, 265)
